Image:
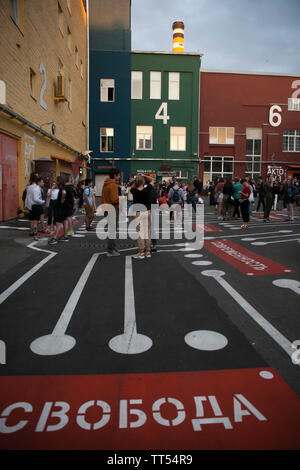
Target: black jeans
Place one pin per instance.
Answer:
(261, 200)
(236, 210)
(245, 210)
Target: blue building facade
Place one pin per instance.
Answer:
(109, 88)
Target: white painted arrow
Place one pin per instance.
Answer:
(130, 342)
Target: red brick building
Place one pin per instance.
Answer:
(249, 124)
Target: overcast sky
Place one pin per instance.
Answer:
(232, 34)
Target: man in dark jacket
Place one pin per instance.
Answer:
(261, 194)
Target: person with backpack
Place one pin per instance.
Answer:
(176, 199)
(191, 196)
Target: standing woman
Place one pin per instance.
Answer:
(244, 200)
(219, 196)
(51, 201)
(227, 193)
(290, 191)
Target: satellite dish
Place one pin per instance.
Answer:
(53, 129)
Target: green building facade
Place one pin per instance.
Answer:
(165, 114)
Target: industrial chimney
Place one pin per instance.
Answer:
(178, 36)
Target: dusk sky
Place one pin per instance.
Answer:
(232, 34)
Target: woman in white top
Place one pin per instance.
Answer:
(51, 201)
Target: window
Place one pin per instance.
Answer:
(107, 89)
(81, 69)
(253, 152)
(182, 174)
(217, 166)
(136, 85)
(69, 40)
(32, 84)
(60, 68)
(221, 135)
(69, 94)
(106, 139)
(60, 19)
(155, 85)
(76, 56)
(17, 12)
(294, 104)
(144, 137)
(174, 85)
(178, 138)
(291, 140)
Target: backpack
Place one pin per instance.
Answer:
(176, 196)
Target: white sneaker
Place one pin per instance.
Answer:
(139, 256)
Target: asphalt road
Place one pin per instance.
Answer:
(191, 349)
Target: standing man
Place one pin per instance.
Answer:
(34, 203)
(110, 195)
(268, 191)
(176, 197)
(261, 194)
(88, 204)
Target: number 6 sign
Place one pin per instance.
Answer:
(273, 114)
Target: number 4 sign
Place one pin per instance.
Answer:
(162, 113)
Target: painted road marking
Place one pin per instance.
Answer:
(276, 241)
(130, 342)
(209, 410)
(205, 340)
(29, 273)
(283, 342)
(246, 261)
(14, 228)
(58, 342)
(263, 238)
(288, 284)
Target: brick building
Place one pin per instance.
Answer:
(43, 118)
(249, 124)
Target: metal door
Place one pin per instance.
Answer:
(9, 177)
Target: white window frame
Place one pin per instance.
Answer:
(294, 104)
(105, 133)
(215, 141)
(104, 87)
(155, 91)
(141, 133)
(139, 95)
(222, 173)
(177, 132)
(174, 93)
(291, 138)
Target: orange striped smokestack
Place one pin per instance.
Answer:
(178, 36)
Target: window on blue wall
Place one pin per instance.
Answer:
(136, 85)
(106, 139)
(144, 137)
(107, 89)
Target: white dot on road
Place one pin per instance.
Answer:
(266, 375)
(192, 255)
(259, 243)
(235, 228)
(205, 340)
(248, 239)
(285, 231)
(202, 263)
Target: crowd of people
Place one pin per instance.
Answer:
(235, 199)
(51, 210)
